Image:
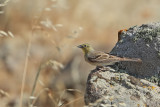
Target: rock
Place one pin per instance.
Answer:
(140, 42)
(113, 89)
(129, 84)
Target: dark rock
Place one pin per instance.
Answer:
(140, 42)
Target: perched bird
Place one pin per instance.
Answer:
(99, 58)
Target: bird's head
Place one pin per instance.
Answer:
(86, 48)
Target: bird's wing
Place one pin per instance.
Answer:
(98, 56)
(104, 58)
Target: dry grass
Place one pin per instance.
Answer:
(56, 27)
(24, 73)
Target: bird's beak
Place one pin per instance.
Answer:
(80, 46)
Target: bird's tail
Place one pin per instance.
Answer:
(132, 59)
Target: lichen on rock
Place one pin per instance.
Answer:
(113, 89)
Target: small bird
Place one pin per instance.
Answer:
(101, 59)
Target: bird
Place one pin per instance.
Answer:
(101, 59)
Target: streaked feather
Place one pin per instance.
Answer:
(101, 58)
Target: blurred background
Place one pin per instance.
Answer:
(44, 34)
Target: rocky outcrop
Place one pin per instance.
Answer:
(129, 84)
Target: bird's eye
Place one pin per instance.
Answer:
(85, 46)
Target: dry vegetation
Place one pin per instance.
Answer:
(40, 36)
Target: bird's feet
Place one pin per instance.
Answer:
(104, 68)
(100, 67)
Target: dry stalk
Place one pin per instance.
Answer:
(24, 73)
(35, 83)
